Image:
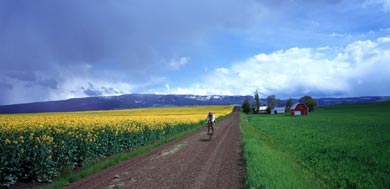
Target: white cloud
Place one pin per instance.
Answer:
(384, 3)
(222, 70)
(167, 87)
(361, 68)
(340, 35)
(175, 64)
(61, 82)
(84, 87)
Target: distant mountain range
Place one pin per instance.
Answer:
(152, 100)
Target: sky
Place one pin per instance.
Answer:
(54, 50)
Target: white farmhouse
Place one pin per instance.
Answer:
(263, 109)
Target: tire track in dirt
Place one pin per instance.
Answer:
(193, 161)
(210, 162)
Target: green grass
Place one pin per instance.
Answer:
(343, 146)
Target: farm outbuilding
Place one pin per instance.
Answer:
(299, 109)
(263, 109)
(278, 110)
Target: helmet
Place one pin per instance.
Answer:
(210, 113)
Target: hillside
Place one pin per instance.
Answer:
(121, 102)
(152, 100)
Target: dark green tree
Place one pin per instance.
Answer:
(268, 110)
(289, 103)
(309, 101)
(245, 106)
(272, 102)
(253, 107)
(257, 102)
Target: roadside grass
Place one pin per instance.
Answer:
(343, 146)
(266, 165)
(68, 175)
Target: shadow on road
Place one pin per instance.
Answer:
(205, 139)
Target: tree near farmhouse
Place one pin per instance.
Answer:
(310, 102)
(253, 107)
(272, 102)
(257, 102)
(245, 106)
(289, 103)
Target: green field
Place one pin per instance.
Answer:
(343, 146)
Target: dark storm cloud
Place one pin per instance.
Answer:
(50, 83)
(91, 90)
(5, 89)
(42, 41)
(5, 86)
(34, 34)
(110, 90)
(23, 75)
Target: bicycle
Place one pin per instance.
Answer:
(210, 126)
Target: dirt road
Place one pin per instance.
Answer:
(194, 161)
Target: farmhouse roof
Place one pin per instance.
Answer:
(279, 108)
(263, 108)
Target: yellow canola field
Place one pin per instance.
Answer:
(155, 118)
(40, 144)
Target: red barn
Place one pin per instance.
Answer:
(299, 109)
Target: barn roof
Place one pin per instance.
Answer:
(296, 104)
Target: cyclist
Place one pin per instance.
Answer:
(210, 122)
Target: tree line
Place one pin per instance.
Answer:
(272, 102)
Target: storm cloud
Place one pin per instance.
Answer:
(51, 50)
(131, 34)
(42, 41)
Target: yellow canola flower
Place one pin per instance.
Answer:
(7, 141)
(59, 128)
